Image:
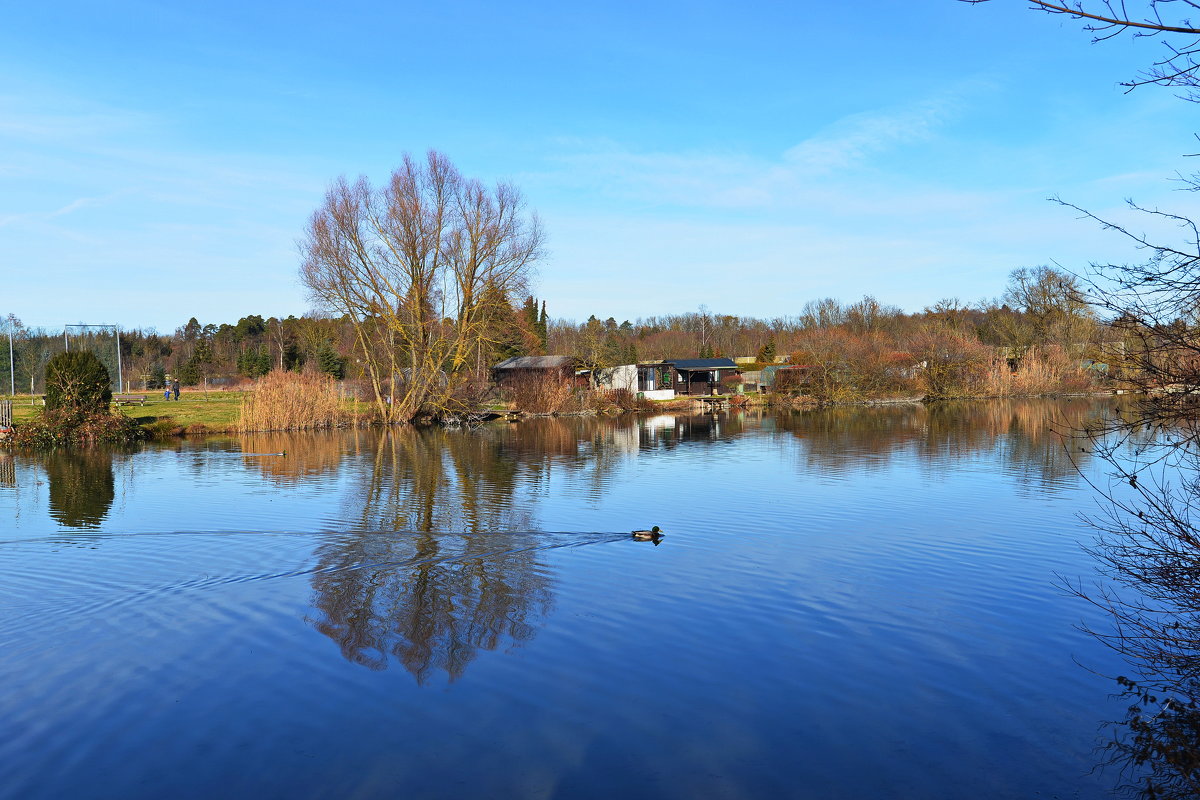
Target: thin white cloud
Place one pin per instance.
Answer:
(851, 141)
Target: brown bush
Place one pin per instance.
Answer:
(846, 366)
(952, 363)
(290, 401)
(539, 394)
(620, 400)
(1047, 370)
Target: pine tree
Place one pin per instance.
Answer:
(329, 362)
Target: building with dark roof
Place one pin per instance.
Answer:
(686, 376)
(523, 366)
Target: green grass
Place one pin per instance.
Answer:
(216, 411)
(194, 412)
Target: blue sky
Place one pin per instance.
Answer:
(159, 161)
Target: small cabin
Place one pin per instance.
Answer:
(522, 367)
(687, 376)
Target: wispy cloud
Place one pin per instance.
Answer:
(851, 141)
(739, 180)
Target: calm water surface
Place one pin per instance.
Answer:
(856, 603)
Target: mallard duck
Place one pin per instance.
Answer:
(652, 535)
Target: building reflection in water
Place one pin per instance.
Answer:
(8, 470)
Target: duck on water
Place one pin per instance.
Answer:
(653, 535)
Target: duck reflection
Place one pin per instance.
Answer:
(81, 486)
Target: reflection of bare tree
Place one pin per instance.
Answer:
(307, 454)
(81, 485)
(433, 479)
(445, 588)
(429, 601)
(1026, 434)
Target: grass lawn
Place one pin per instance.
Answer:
(217, 411)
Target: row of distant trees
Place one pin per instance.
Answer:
(861, 346)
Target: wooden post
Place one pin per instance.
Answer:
(5, 414)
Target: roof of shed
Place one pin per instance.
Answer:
(535, 362)
(700, 363)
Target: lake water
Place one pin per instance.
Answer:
(855, 603)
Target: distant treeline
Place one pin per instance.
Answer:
(859, 348)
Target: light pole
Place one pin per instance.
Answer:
(12, 372)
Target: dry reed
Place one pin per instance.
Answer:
(540, 394)
(1040, 372)
(289, 401)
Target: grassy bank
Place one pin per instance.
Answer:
(218, 411)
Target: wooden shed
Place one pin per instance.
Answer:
(519, 367)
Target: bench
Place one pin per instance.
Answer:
(122, 399)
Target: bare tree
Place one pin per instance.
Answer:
(411, 264)
(1148, 546)
(1166, 19)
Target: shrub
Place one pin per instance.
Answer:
(75, 426)
(1046, 370)
(539, 394)
(77, 381)
(291, 401)
(955, 364)
(619, 400)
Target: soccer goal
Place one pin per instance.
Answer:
(104, 340)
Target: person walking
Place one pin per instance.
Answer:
(175, 389)
(166, 391)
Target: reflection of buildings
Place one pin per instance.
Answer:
(8, 471)
(671, 430)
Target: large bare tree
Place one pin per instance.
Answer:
(1167, 19)
(1149, 543)
(414, 265)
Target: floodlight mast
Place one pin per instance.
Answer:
(120, 373)
(12, 372)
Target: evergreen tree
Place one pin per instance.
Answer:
(329, 362)
(78, 381)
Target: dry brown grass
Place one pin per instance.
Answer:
(1045, 371)
(540, 394)
(290, 401)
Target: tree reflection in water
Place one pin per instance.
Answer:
(432, 579)
(81, 485)
(1031, 436)
(430, 572)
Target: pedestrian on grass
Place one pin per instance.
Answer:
(175, 389)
